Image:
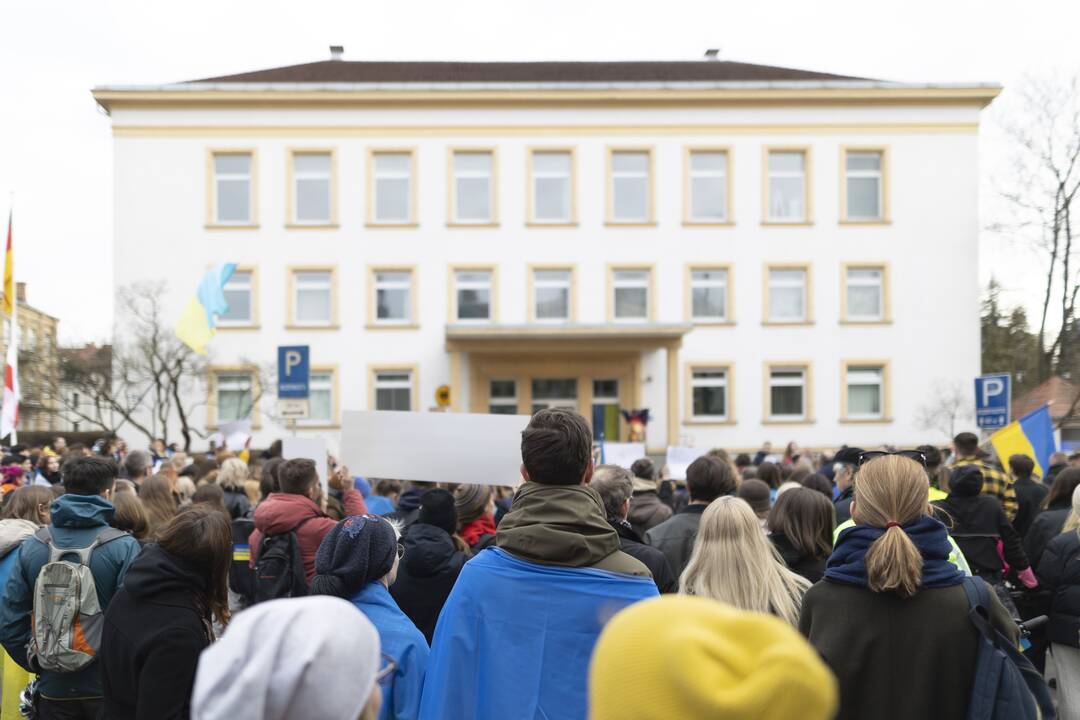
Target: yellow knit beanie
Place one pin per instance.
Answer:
(685, 658)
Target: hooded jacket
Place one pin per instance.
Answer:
(563, 525)
(76, 521)
(631, 544)
(675, 537)
(426, 574)
(976, 521)
(154, 631)
(236, 502)
(1059, 572)
(12, 533)
(408, 507)
(283, 512)
(1045, 527)
(647, 510)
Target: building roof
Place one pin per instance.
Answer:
(341, 71)
(1058, 392)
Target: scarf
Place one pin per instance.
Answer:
(483, 525)
(847, 563)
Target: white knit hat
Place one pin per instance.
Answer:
(284, 658)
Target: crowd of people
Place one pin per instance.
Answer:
(235, 585)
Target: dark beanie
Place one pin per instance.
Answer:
(966, 481)
(471, 501)
(358, 550)
(757, 494)
(437, 508)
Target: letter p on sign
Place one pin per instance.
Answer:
(292, 359)
(991, 388)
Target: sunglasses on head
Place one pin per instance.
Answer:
(915, 455)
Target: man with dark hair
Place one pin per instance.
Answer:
(78, 516)
(616, 488)
(1029, 494)
(138, 466)
(995, 482)
(1058, 462)
(533, 606)
(647, 510)
(297, 508)
(707, 478)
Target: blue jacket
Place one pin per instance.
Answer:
(76, 521)
(515, 637)
(404, 643)
(379, 505)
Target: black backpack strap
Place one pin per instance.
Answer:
(978, 596)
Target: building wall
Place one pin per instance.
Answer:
(930, 245)
(39, 369)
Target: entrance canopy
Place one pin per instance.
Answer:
(568, 337)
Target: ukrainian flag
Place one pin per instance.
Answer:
(1031, 435)
(196, 325)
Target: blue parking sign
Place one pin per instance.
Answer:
(294, 371)
(993, 396)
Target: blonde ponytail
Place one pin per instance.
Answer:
(894, 564)
(891, 492)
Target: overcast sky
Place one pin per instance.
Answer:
(55, 153)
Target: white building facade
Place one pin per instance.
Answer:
(750, 253)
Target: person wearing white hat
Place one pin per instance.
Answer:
(278, 661)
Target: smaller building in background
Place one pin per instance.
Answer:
(1063, 397)
(39, 365)
(85, 377)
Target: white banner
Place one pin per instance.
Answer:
(623, 454)
(480, 449)
(679, 458)
(312, 448)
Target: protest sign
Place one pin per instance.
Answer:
(235, 435)
(679, 458)
(312, 448)
(623, 454)
(480, 449)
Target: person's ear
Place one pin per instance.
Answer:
(524, 473)
(625, 509)
(853, 510)
(588, 473)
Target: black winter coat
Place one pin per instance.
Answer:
(811, 568)
(426, 575)
(237, 503)
(1046, 526)
(1029, 497)
(153, 633)
(843, 505)
(631, 544)
(977, 523)
(408, 507)
(1059, 572)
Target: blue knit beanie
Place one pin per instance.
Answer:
(358, 550)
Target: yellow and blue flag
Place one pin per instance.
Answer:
(1031, 435)
(197, 325)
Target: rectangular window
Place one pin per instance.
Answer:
(393, 390)
(708, 178)
(313, 297)
(552, 295)
(392, 188)
(865, 294)
(312, 174)
(863, 185)
(472, 295)
(787, 295)
(631, 186)
(554, 393)
(865, 392)
(502, 397)
(235, 398)
(787, 394)
(631, 294)
(320, 398)
(552, 186)
(709, 295)
(786, 201)
(605, 410)
(474, 188)
(709, 393)
(393, 296)
(232, 189)
(240, 295)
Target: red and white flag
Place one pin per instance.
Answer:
(9, 411)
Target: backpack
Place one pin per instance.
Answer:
(279, 571)
(65, 630)
(241, 576)
(1007, 686)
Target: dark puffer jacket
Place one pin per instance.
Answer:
(1046, 526)
(153, 633)
(237, 503)
(1059, 572)
(811, 568)
(427, 573)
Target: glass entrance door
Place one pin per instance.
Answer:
(554, 393)
(605, 410)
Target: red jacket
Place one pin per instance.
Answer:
(283, 512)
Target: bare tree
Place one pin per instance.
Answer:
(948, 406)
(1042, 185)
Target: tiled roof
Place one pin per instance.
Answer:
(1057, 391)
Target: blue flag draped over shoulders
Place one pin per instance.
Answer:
(514, 638)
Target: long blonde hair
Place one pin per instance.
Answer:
(892, 491)
(1073, 521)
(735, 563)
